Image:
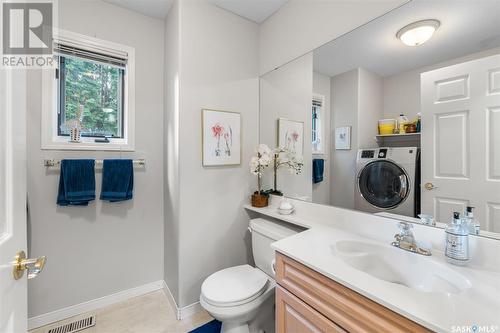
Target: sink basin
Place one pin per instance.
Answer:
(400, 267)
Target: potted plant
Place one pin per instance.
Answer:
(285, 158)
(258, 164)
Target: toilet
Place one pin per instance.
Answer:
(242, 297)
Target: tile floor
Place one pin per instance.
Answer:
(150, 313)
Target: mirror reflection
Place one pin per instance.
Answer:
(399, 117)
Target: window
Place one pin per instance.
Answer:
(317, 124)
(92, 89)
(91, 93)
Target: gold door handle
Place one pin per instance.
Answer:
(33, 266)
(430, 186)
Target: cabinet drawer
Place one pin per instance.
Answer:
(345, 307)
(295, 316)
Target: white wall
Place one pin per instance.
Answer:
(171, 186)
(370, 107)
(356, 102)
(343, 162)
(218, 70)
(402, 95)
(287, 93)
(301, 26)
(321, 191)
(104, 248)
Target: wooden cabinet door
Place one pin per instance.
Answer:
(295, 316)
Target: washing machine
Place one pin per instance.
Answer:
(387, 180)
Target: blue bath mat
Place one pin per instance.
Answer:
(210, 327)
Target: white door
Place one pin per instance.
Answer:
(13, 293)
(460, 108)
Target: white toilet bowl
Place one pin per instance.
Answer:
(242, 297)
(235, 295)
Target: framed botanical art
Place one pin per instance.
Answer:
(221, 137)
(343, 138)
(291, 136)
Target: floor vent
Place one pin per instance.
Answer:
(74, 326)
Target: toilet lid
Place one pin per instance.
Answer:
(234, 286)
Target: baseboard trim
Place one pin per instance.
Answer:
(189, 310)
(185, 311)
(77, 309)
(171, 299)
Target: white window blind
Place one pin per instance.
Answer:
(69, 50)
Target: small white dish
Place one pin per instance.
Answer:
(285, 204)
(285, 211)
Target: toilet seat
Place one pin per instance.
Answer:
(234, 286)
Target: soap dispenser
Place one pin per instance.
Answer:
(472, 223)
(457, 241)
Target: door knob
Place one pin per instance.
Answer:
(33, 266)
(429, 186)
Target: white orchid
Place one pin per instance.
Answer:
(254, 165)
(263, 150)
(261, 161)
(265, 160)
(285, 158)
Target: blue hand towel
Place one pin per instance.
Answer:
(76, 183)
(117, 180)
(318, 167)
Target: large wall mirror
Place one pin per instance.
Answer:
(389, 127)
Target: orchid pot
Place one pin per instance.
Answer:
(260, 200)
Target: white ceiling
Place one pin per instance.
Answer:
(254, 10)
(154, 8)
(467, 26)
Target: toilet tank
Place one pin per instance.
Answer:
(265, 232)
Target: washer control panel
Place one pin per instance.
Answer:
(368, 153)
(382, 153)
(401, 155)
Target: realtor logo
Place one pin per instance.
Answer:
(27, 28)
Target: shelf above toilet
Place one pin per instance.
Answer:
(398, 140)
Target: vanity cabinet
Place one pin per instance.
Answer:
(307, 301)
(296, 316)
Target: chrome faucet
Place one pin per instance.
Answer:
(406, 241)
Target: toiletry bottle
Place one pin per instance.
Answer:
(457, 241)
(402, 121)
(472, 223)
(419, 122)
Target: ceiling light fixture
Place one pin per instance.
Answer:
(417, 33)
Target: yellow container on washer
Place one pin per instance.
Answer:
(386, 126)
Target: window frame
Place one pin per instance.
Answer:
(321, 99)
(51, 138)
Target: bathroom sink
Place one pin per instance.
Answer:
(400, 267)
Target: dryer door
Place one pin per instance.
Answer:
(383, 184)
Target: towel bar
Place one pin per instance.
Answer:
(54, 163)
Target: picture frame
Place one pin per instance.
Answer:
(221, 137)
(291, 136)
(343, 138)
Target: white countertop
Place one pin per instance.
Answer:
(443, 312)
